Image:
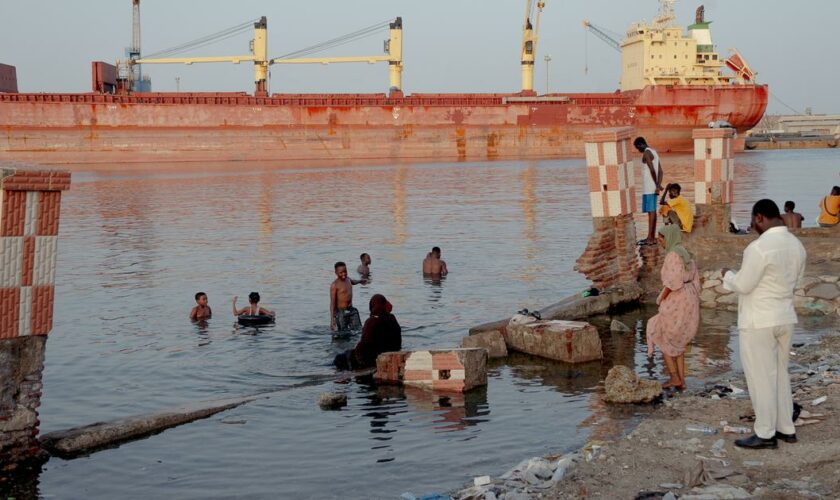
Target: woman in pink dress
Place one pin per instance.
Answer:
(679, 306)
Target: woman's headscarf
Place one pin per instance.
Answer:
(673, 242)
(379, 305)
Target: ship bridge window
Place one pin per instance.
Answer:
(714, 57)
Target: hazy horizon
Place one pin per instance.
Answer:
(465, 46)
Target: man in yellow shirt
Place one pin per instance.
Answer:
(679, 205)
(830, 209)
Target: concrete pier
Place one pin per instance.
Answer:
(30, 207)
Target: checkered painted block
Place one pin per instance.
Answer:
(569, 341)
(455, 370)
(30, 203)
(612, 189)
(714, 168)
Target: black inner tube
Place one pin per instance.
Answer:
(254, 319)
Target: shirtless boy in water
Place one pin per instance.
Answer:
(343, 316)
(433, 264)
(364, 267)
(201, 311)
(253, 308)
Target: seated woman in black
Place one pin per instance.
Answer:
(381, 333)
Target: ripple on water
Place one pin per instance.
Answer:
(135, 248)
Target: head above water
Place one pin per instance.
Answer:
(340, 269)
(254, 298)
(365, 258)
(789, 206)
(436, 251)
(765, 214)
(641, 144)
(201, 298)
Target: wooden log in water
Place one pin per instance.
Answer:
(71, 443)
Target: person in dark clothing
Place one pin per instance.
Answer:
(381, 333)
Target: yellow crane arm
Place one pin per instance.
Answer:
(194, 60)
(331, 60)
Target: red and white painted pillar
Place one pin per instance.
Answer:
(714, 175)
(610, 257)
(30, 204)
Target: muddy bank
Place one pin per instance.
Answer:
(661, 458)
(660, 455)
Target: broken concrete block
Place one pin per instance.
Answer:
(453, 370)
(569, 341)
(390, 367)
(493, 341)
(624, 386)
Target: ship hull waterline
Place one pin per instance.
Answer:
(150, 128)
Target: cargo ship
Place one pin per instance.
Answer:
(672, 81)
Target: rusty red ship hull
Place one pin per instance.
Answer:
(155, 127)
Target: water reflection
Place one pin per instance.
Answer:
(135, 249)
(434, 282)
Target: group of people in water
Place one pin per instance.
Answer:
(381, 332)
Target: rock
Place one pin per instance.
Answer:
(708, 295)
(332, 401)
(732, 298)
(808, 306)
(618, 326)
(569, 341)
(807, 282)
(828, 278)
(720, 290)
(711, 283)
(493, 341)
(716, 491)
(624, 386)
(826, 291)
(451, 370)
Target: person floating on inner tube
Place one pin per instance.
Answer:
(343, 316)
(253, 308)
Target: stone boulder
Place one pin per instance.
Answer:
(569, 341)
(618, 326)
(493, 341)
(624, 386)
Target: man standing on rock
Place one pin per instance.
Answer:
(771, 267)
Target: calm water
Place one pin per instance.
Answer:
(136, 245)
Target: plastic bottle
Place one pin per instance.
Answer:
(734, 429)
(705, 429)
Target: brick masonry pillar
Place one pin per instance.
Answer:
(30, 202)
(610, 256)
(714, 173)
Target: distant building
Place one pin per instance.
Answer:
(799, 124)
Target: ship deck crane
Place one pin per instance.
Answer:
(530, 36)
(602, 34)
(393, 51)
(259, 53)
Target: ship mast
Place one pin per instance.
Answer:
(530, 35)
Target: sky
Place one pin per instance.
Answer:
(449, 45)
